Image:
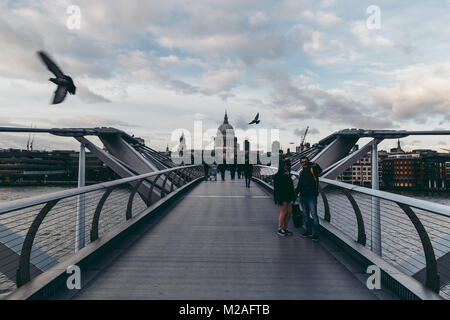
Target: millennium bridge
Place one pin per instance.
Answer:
(163, 232)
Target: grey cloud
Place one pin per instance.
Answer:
(183, 87)
(404, 43)
(197, 116)
(17, 57)
(214, 35)
(252, 102)
(241, 123)
(405, 104)
(162, 79)
(225, 96)
(87, 121)
(301, 132)
(23, 32)
(6, 122)
(313, 102)
(198, 32)
(86, 95)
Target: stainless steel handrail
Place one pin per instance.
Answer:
(403, 202)
(23, 274)
(431, 207)
(36, 200)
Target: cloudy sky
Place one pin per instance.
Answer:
(149, 67)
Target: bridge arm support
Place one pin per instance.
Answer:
(128, 214)
(98, 210)
(326, 207)
(359, 218)
(23, 272)
(432, 275)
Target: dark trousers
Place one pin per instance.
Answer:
(247, 180)
(309, 208)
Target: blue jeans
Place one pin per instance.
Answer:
(309, 208)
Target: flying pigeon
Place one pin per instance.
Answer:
(256, 121)
(64, 82)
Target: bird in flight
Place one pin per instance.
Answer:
(256, 120)
(64, 82)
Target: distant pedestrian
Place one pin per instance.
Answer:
(308, 188)
(214, 171)
(284, 195)
(206, 169)
(233, 171)
(222, 168)
(248, 172)
(240, 168)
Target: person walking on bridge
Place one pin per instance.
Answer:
(284, 194)
(214, 171)
(206, 168)
(248, 171)
(233, 168)
(308, 188)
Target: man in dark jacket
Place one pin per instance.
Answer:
(221, 168)
(248, 172)
(308, 188)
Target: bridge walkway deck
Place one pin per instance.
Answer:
(220, 242)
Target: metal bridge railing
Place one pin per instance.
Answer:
(39, 232)
(414, 234)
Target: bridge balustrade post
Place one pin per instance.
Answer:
(189, 174)
(80, 226)
(376, 217)
(432, 275)
(23, 272)
(257, 172)
(327, 216)
(128, 214)
(98, 210)
(179, 177)
(151, 188)
(163, 191)
(194, 173)
(359, 218)
(201, 172)
(183, 174)
(173, 180)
